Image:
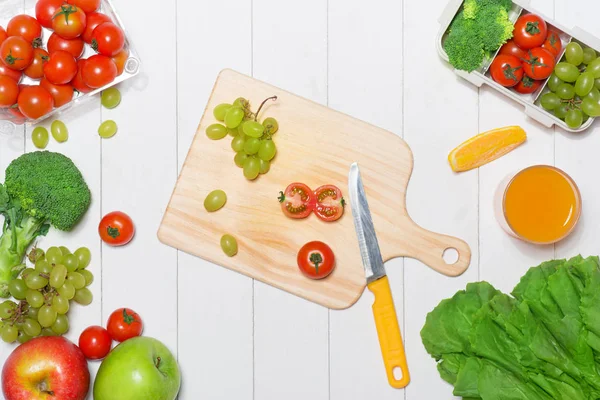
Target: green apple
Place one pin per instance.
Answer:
(140, 368)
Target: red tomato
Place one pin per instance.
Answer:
(511, 49)
(93, 20)
(45, 10)
(98, 71)
(116, 228)
(553, 43)
(539, 63)
(78, 82)
(316, 260)
(16, 53)
(35, 101)
(36, 68)
(27, 27)
(95, 342)
(86, 5)
(69, 21)
(61, 68)
(108, 39)
(297, 201)
(530, 31)
(3, 35)
(329, 203)
(527, 85)
(62, 94)
(124, 324)
(73, 46)
(506, 70)
(5, 71)
(9, 92)
(120, 59)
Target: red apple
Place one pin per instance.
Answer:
(45, 366)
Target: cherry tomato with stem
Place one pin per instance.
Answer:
(116, 229)
(73, 46)
(316, 260)
(61, 94)
(3, 35)
(108, 39)
(35, 101)
(45, 10)
(99, 71)
(120, 60)
(69, 21)
(9, 92)
(553, 43)
(95, 342)
(124, 324)
(78, 82)
(530, 31)
(539, 63)
(87, 6)
(15, 75)
(36, 68)
(61, 68)
(27, 27)
(506, 70)
(527, 85)
(329, 203)
(297, 201)
(16, 53)
(92, 21)
(511, 49)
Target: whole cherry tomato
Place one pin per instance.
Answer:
(108, 39)
(35, 101)
(73, 46)
(297, 201)
(5, 71)
(36, 68)
(539, 63)
(116, 229)
(45, 10)
(9, 92)
(527, 85)
(506, 70)
(553, 43)
(86, 5)
(124, 324)
(93, 20)
(69, 21)
(99, 71)
(316, 260)
(511, 49)
(329, 203)
(16, 53)
(78, 82)
(62, 94)
(27, 27)
(61, 68)
(95, 342)
(530, 31)
(120, 59)
(3, 35)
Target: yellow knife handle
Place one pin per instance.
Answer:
(388, 330)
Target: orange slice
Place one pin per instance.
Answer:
(485, 148)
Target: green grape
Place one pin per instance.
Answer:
(233, 132)
(47, 332)
(35, 281)
(589, 55)
(574, 53)
(265, 166)
(66, 290)
(229, 245)
(596, 83)
(237, 143)
(23, 337)
(54, 255)
(26, 272)
(253, 129)
(567, 72)
(89, 277)
(71, 262)
(585, 118)
(60, 304)
(241, 102)
(59, 130)
(36, 254)
(43, 266)
(233, 117)
(594, 94)
(84, 256)
(65, 251)
(17, 288)
(76, 279)
(58, 276)
(108, 129)
(111, 98)
(220, 111)
(584, 84)
(574, 119)
(216, 131)
(591, 107)
(215, 200)
(61, 326)
(594, 68)
(9, 333)
(267, 150)
(251, 146)
(251, 168)
(32, 312)
(40, 137)
(271, 125)
(46, 316)
(550, 101)
(7, 309)
(31, 327)
(83, 296)
(561, 110)
(553, 82)
(240, 128)
(240, 158)
(565, 91)
(35, 298)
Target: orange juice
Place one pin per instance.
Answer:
(542, 204)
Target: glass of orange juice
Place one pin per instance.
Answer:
(540, 204)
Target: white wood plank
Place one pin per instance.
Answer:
(215, 304)
(365, 80)
(290, 334)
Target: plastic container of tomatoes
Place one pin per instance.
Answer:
(10, 8)
(482, 75)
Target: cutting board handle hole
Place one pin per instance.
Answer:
(450, 256)
(397, 372)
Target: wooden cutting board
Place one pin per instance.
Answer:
(316, 145)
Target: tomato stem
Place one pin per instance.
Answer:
(262, 104)
(281, 197)
(113, 232)
(316, 259)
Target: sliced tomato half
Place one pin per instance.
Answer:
(297, 201)
(329, 203)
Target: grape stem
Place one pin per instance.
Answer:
(262, 104)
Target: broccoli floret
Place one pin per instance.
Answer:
(472, 7)
(463, 45)
(494, 27)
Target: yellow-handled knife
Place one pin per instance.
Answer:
(384, 311)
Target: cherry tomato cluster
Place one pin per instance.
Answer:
(529, 58)
(298, 201)
(58, 71)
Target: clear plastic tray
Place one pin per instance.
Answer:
(481, 76)
(10, 8)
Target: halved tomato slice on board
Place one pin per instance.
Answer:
(297, 201)
(329, 203)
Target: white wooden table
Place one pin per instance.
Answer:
(239, 339)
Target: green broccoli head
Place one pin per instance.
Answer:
(494, 27)
(472, 7)
(48, 187)
(463, 44)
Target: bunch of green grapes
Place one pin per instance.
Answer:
(252, 140)
(44, 292)
(574, 87)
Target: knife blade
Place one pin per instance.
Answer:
(384, 311)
